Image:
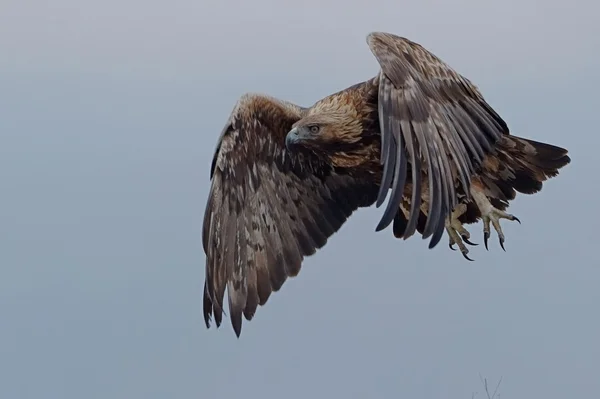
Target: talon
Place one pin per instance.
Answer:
(457, 233)
(465, 239)
(490, 215)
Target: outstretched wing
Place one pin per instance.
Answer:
(267, 209)
(432, 120)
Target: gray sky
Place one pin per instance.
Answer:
(109, 113)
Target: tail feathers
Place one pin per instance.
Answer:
(525, 164)
(547, 157)
(519, 165)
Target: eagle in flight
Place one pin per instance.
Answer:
(285, 178)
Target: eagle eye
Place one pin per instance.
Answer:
(314, 129)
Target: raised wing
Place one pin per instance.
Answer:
(267, 209)
(432, 120)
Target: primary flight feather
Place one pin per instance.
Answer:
(285, 178)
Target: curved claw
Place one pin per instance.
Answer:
(466, 257)
(451, 246)
(465, 239)
(502, 245)
(486, 237)
(517, 219)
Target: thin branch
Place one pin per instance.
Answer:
(487, 391)
(497, 386)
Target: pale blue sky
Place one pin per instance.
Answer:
(109, 114)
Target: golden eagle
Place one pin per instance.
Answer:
(285, 178)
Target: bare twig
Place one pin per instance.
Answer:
(487, 391)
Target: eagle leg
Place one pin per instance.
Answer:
(456, 232)
(489, 213)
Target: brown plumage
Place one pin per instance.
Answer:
(285, 178)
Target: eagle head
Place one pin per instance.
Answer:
(319, 131)
(333, 129)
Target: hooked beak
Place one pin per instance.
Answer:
(292, 138)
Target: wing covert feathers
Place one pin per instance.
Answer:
(436, 120)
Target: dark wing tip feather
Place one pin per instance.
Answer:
(207, 305)
(388, 145)
(400, 165)
(235, 315)
(438, 232)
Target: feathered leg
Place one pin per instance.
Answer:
(518, 165)
(456, 232)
